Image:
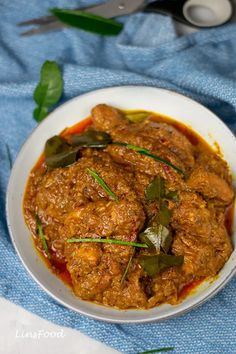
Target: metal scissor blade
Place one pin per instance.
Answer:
(50, 27)
(37, 21)
(115, 8)
(109, 9)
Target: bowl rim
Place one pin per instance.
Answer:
(178, 312)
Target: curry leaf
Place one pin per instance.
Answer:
(55, 145)
(172, 195)
(166, 239)
(40, 113)
(155, 264)
(88, 21)
(62, 159)
(106, 240)
(102, 184)
(156, 189)
(157, 237)
(136, 117)
(91, 138)
(49, 89)
(151, 237)
(58, 153)
(164, 215)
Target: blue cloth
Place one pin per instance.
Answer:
(147, 52)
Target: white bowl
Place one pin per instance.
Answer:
(169, 103)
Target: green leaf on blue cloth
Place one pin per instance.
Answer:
(88, 21)
(49, 89)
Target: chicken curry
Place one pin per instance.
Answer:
(130, 208)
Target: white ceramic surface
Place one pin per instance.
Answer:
(207, 13)
(163, 101)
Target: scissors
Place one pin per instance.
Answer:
(197, 13)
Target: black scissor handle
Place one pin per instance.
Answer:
(169, 7)
(178, 9)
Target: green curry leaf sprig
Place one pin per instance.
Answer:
(157, 237)
(49, 89)
(60, 152)
(156, 189)
(158, 234)
(156, 263)
(88, 21)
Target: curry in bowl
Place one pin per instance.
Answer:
(130, 209)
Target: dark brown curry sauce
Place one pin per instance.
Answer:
(58, 267)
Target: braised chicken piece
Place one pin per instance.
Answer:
(210, 185)
(132, 211)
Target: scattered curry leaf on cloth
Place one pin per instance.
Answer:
(9, 155)
(88, 21)
(49, 89)
(167, 349)
(159, 350)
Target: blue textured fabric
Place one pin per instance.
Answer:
(147, 52)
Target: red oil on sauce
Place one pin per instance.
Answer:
(193, 137)
(39, 163)
(77, 128)
(54, 264)
(189, 288)
(61, 270)
(229, 217)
